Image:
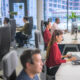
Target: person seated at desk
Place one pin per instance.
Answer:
(32, 65)
(55, 25)
(21, 31)
(47, 34)
(6, 21)
(53, 56)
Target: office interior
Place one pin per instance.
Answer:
(39, 12)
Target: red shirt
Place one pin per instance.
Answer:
(47, 36)
(54, 56)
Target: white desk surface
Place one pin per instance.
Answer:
(67, 71)
(69, 39)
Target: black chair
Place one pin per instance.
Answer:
(5, 41)
(5, 35)
(37, 38)
(13, 29)
(43, 26)
(13, 32)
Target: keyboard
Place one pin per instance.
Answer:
(77, 57)
(77, 62)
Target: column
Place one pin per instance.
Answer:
(40, 12)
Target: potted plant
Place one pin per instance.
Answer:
(73, 16)
(13, 13)
(20, 6)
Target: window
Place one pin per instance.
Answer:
(70, 8)
(59, 6)
(59, 9)
(55, 0)
(55, 5)
(50, 4)
(50, 0)
(76, 4)
(70, 4)
(50, 9)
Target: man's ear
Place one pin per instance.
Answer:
(28, 65)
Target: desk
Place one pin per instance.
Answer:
(69, 41)
(17, 29)
(67, 71)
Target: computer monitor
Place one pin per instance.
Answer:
(74, 27)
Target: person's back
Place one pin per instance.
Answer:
(26, 28)
(55, 25)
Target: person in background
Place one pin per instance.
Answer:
(24, 29)
(20, 35)
(6, 21)
(53, 56)
(32, 65)
(55, 25)
(47, 34)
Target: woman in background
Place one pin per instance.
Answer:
(47, 34)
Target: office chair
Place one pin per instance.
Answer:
(5, 41)
(37, 38)
(13, 32)
(50, 73)
(43, 26)
(10, 61)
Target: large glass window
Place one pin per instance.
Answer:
(61, 9)
(4, 9)
(57, 10)
(32, 9)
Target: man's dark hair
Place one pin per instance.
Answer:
(26, 18)
(26, 57)
(6, 19)
(56, 19)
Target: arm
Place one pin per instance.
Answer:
(57, 55)
(49, 36)
(23, 28)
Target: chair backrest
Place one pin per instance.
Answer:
(37, 38)
(30, 25)
(10, 62)
(43, 27)
(5, 34)
(13, 29)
